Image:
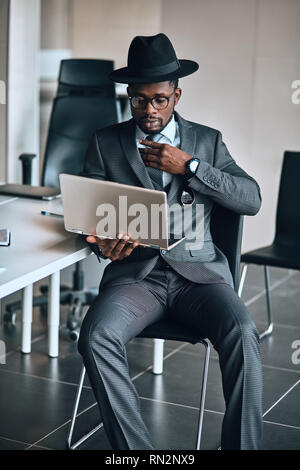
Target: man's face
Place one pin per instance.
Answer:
(149, 119)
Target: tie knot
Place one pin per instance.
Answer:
(153, 137)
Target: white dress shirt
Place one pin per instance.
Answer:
(169, 135)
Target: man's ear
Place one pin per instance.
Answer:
(178, 92)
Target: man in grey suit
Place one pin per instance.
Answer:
(158, 149)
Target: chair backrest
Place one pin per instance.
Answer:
(227, 231)
(85, 101)
(287, 232)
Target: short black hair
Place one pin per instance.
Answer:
(174, 83)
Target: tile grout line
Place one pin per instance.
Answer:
(179, 405)
(17, 441)
(281, 424)
(281, 398)
(47, 379)
(280, 325)
(284, 369)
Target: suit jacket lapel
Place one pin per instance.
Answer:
(128, 142)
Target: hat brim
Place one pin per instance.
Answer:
(125, 75)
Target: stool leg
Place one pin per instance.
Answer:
(269, 329)
(74, 416)
(158, 356)
(203, 392)
(242, 280)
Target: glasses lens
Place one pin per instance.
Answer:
(137, 102)
(160, 102)
(187, 197)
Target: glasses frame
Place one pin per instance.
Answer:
(150, 100)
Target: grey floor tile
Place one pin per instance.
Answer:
(287, 411)
(278, 437)
(175, 427)
(31, 407)
(171, 427)
(277, 350)
(181, 383)
(10, 444)
(85, 422)
(276, 383)
(285, 308)
(65, 368)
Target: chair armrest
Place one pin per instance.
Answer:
(26, 159)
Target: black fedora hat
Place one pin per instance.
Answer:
(152, 59)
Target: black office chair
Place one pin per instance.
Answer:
(85, 101)
(284, 252)
(226, 228)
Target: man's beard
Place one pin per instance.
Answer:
(157, 130)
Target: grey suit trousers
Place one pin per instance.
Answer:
(121, 312)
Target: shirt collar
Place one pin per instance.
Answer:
(169, 131)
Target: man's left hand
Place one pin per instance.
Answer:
(165, 157)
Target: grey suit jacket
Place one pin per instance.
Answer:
(113, 155)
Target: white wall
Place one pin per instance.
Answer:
(248, 51)
(104, 28)
(4, 8)
(23, 86)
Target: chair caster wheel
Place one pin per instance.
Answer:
(10, 318)
(74, 335)
(72, 324)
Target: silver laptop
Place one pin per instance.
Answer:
(104, 208)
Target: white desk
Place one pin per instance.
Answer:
(40, 247)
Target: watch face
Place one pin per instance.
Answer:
(194, 165)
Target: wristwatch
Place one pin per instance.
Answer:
(191, 167)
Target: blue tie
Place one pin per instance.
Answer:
(155, 174)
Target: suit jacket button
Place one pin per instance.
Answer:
(163, 252)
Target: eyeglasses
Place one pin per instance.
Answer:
(159, 102)
(187, 196)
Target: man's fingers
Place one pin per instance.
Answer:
(91, 239)
(147, 151)
(117, 249)
(107, 245)
(151, 158)
(128, 248)
(150, 143)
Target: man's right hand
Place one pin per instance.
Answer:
(114, 249)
